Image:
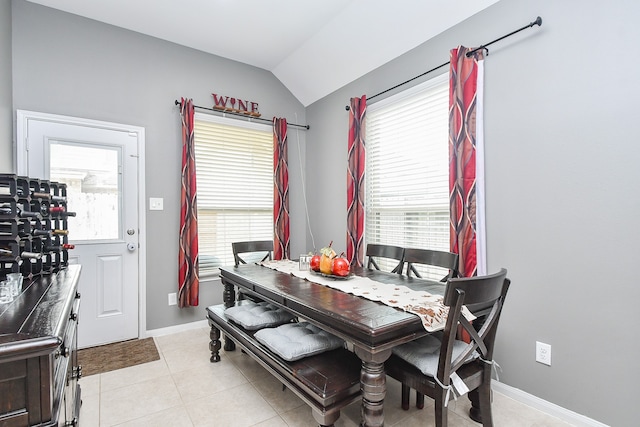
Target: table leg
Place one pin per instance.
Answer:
(373, 386)
(228, 297)
(214, 344)
(474, 411)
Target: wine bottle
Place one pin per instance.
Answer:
(52, 248)
(58, 232)
(36, 232)
(58, 199)
(20, 212)
(68, 246)
(30, 255)
(57, 209)
(44, 209)
(23, 254)
(40, 195)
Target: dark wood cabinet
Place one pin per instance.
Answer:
(39, 368)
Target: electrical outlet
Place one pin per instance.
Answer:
(543, 353)
(173, 299)
(156, 203)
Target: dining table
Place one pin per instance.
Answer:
(371, 327)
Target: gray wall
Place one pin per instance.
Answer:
(6, 114)
(65, 64)
(562, 189)
(561, 166)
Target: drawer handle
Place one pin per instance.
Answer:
(76, 373)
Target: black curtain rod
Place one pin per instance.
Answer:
(245, 116)
(537, 22)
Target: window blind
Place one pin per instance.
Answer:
(407, 175)
(234, 167)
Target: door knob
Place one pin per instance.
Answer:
(131, 247)
(131, 232)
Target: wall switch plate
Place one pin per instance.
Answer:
(543, 353)
(156, 203)
(173, 299)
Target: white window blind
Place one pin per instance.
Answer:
(234, 167)
(407, 175)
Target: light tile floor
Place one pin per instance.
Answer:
(184, 389)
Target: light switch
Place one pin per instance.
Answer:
(156, 203)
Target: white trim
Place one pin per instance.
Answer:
(552, 409)
(23, 117)
(481, 228)
(434, 81)
(142, 234)
(177, 328)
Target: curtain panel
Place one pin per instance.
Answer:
(355, 181)
(466, 161)
(188, 281)
(281, 247)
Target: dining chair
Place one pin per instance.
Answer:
(251, 251)
(438, 364)
(384, 253)
(432, 258)
(258, 250)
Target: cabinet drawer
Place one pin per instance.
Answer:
(21, 401)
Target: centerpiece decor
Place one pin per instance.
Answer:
(329, 263)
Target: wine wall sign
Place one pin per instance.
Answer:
(235, 105)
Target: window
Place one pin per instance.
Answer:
(407, 175)
(234, 168)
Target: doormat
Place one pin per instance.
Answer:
(109, 357)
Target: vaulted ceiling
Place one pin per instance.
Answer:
(313, 47)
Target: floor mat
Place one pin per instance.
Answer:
(109, 357)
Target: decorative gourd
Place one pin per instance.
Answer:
(326, 258)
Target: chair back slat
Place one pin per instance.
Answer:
(442, 259)
(395, 253)
(240, 248)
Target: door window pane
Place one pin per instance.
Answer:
(93, 188)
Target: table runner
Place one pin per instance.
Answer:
(430, 308)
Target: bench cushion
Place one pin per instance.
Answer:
(294, 341)
(251, 315)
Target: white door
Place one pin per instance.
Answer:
(99, 163)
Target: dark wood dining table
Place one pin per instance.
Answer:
(373, 328)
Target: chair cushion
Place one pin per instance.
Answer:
(293, 341)
(251, 315)
(424, 353)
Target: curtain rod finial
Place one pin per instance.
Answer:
(537, 22)
(347, 108)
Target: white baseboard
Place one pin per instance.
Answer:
(546, 407)
(178, 328)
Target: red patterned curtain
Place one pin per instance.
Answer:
(188, 282)
(281, 247)
(355, 181)
(466, 160)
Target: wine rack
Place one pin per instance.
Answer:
(34, 234)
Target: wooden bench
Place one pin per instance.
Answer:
(327, 382)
